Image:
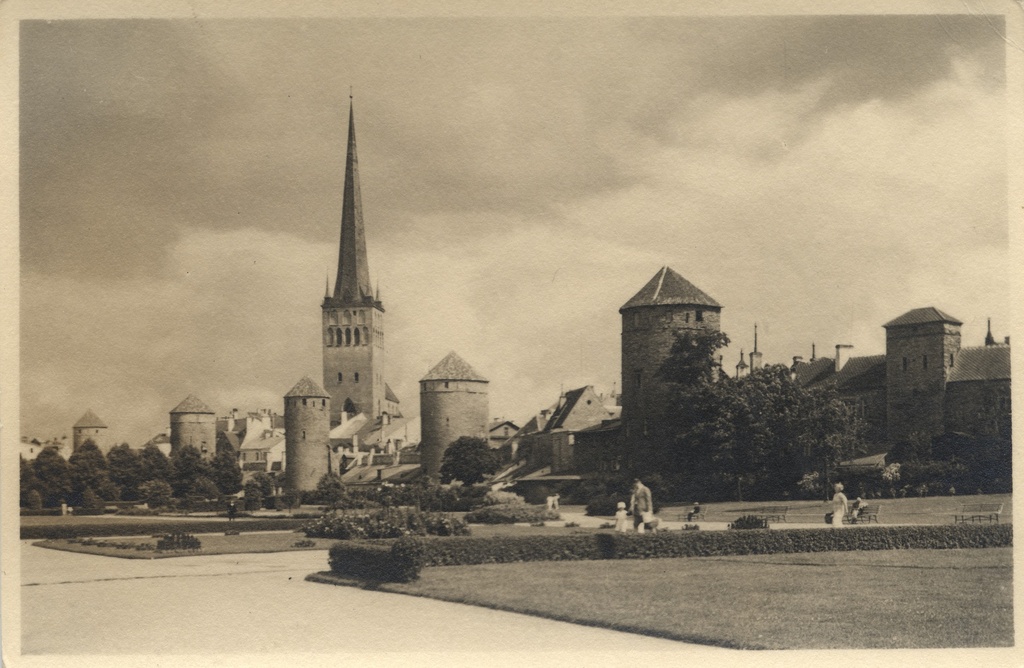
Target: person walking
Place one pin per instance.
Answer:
(641, 504)
(621, 517)
(839, 506)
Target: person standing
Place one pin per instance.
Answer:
(621, 517)
(839, 506)
(640, 504)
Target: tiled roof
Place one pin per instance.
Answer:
(668, 287)
(815, 371)
(563, 411)
(262, 443)
(922, 315)
(192, 404)
(982, 363)
(453, 367)
(307, 387)
(389, 394)
(862, 373)
(89, 420)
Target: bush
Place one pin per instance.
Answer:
(33, 500)
(604, 505)
(137, 511)
(749, 522)
(497, 498)
(178, 540)
(375, 561)
(155, 493)
(510, 514)
(385, 524)
(305, 542)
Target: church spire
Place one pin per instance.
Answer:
(353, 283)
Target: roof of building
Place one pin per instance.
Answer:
(351, 426)
(668, 287)
(232, 439)
(501, 423)
(981, 363)
(862, 373)
(919, 316)
(594, 412)
(453, 367)
(192, 404)
(389, 395)
(263, 443)
(815, 371)
(867, 463)
(307, 387)
(89, 420)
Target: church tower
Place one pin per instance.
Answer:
(353, 317)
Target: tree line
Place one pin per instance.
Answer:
(88, 477)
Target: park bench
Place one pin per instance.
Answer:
(978, 512)
(771, 513)
(690, 516)
(868, 513)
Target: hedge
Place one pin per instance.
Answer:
(401, 560)
(510, 513)
(150, 527)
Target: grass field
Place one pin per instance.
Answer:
(853, 600)
(211, 544)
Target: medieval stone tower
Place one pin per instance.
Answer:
(920, 347)
(89, 428)
(307, 439)
(194, 423)
(353, 317)
(667, 305)
(453, 403)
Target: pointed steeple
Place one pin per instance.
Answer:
(989, 339)
(353, 283)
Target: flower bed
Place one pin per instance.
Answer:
(385, 524)
(150, 527)
(510, 513)
(385, 561)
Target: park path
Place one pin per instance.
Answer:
(260, 603)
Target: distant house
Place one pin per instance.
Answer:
(499, 431)
(31, 447)
(266, 454)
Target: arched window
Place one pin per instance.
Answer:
(330, 337)
(348, 318)
(303, 402)
(348, 336)
(357, 337)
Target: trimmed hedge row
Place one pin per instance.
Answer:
(510, 513)
(151, 527)
(402, 560)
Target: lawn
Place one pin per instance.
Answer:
(852, 600)
(211, 544)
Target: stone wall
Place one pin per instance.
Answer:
(196, 429)
(450, 409)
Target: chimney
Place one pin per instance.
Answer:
(989, 339)
(842, 355)
(1006, 340)
(814, 354)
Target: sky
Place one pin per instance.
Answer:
(181, 185)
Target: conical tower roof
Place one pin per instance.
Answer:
(192, 404)
(353, 282)
(453, 367)
(89, 420)
(307, 387)
(669, 288)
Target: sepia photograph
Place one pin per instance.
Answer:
(480, 333)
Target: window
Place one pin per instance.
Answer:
(446, 384)
(904, 363)
(303, 434)
(357, 336)
(339, 376)
(686, 317)
(699, 316)
(362, 317)
(357, 376)
(348, 336)
(639, 377)
(951, 359)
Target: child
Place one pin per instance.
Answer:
(621, 517)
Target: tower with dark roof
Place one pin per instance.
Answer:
(194, 423)
(920, 348)
(353, 316)
(89, 428)
(453, 403)
(668, 305)
(307, 429)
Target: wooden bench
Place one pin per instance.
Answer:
(771, 513)
(868, 513)
(978, 512)
(690, 516)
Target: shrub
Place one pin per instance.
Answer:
(385, 524)
(497, 498)
(749, 522)
(33, 500)
(305, 542)
(178, 540)
(136, 511)
(510, 514)
(155, 493)
(155, 528)
(604, 505)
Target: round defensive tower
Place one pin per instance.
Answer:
(453, 403)
(194, 423)
(307, 435)
(89, 428)
(668, 305)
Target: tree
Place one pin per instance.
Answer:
(468, 460)
(90, 499)
(88, 471)
(330, 489)
(265, 482)
(54, 476)
(692, 361)
(29, 482)
(187, 466)
(226, 473)
(155, 493)
(253, 494)
(124, 466)
(204, 487)
(154, 464)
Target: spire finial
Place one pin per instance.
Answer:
(989, 339)
(755, 337)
